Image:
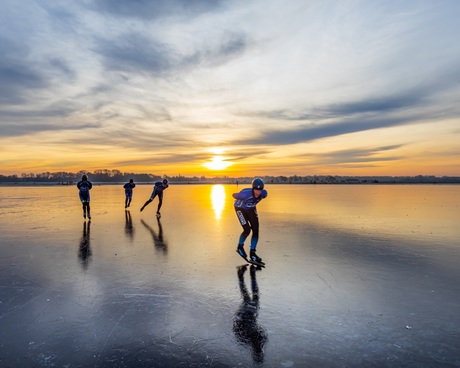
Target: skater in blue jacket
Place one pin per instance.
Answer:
(158, 189)
(245, 208)
(129, 192)
(85, 186)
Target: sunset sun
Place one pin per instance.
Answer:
(217, 163)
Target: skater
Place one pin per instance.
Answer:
(129, 192)
(85, 186)
(158, 189)
(245, 208)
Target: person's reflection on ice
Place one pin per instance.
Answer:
(84, 251)
(245, 326)
(158, 239)
(129, 228)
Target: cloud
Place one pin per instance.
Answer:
(335, 119)
(58, 109)
(18, 129)
(60, 66)
(194, 155)
(312, 131)
(375, 105)
(17, 76)
(351, 156)
(231, 45)
(150, 10)
(138, 53)
(164, 159)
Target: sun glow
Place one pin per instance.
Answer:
(217, 163)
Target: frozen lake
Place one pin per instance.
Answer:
(357, 275)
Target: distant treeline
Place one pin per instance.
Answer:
(116, 176)
(109, 176)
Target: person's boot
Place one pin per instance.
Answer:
(254, 257)
(240, 250)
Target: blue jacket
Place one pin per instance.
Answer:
(84, 186)
(159, 187)
(246, 200)
(129, 188)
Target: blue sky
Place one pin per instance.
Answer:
(270, 87)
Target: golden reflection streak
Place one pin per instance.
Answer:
(218, 199)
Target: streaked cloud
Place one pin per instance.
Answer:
(151, 10)
(16, 75)
(361, 155)
(10, 130)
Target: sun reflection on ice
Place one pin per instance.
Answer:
(218, 199)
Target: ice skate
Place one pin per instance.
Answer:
(240, 250)
(255, 258)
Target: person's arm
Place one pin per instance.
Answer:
(264, 193)
(243, 194)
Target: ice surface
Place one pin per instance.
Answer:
(349, 269)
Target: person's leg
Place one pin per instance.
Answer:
(152, 197)
(87, 206)
(145, 204)
(160, 202)
(83, 203)
(254, 221)
(242, 217)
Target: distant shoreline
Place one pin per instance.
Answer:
(116, 177)
(228, 182)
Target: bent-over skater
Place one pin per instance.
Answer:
(245, 208)
(158, 189)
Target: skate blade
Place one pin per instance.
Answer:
(256, 263)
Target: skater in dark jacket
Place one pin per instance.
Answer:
(158, 189)
(85, 186)
(129, 192)
(245, 208)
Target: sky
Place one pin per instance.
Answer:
(236, 88)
